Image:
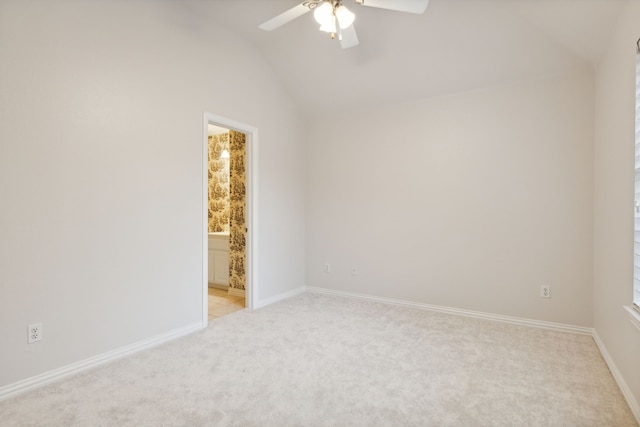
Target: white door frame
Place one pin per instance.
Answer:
(251, 214)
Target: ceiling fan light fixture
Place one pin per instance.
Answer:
(329, 26)
(327, 12)
(345, 17)
(323, 14)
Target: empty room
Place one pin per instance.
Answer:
(320, 213)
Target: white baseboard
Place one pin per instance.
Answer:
(23, 386)
(236, 292)
(460, 312)
(624, 388)
(279, 297)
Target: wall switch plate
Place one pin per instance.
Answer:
(545, 291)
(327, 268)
(354, 270)
(35, 333)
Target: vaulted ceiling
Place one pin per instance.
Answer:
(455, 46)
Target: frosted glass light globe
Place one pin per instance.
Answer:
(345, 17)
(323, 14)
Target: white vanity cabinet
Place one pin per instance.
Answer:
(219, 259)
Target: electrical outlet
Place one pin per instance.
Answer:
(327, 268)
(35, 333)
(354, 270)
(545, 291)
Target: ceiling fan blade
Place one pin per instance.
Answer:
(411, 6)
(349, 38)
(284, 17)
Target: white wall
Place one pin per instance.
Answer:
(614, 171)
(470, 201)
(100, 172)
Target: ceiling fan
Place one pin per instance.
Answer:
(335, 18)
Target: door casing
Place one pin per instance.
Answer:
(251, 199)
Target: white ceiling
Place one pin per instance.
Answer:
(455, 46)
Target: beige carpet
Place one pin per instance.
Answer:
(317, 360)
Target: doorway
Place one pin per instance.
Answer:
(229, 214)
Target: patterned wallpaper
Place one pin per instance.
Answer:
(219, 207)
(237, 191)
